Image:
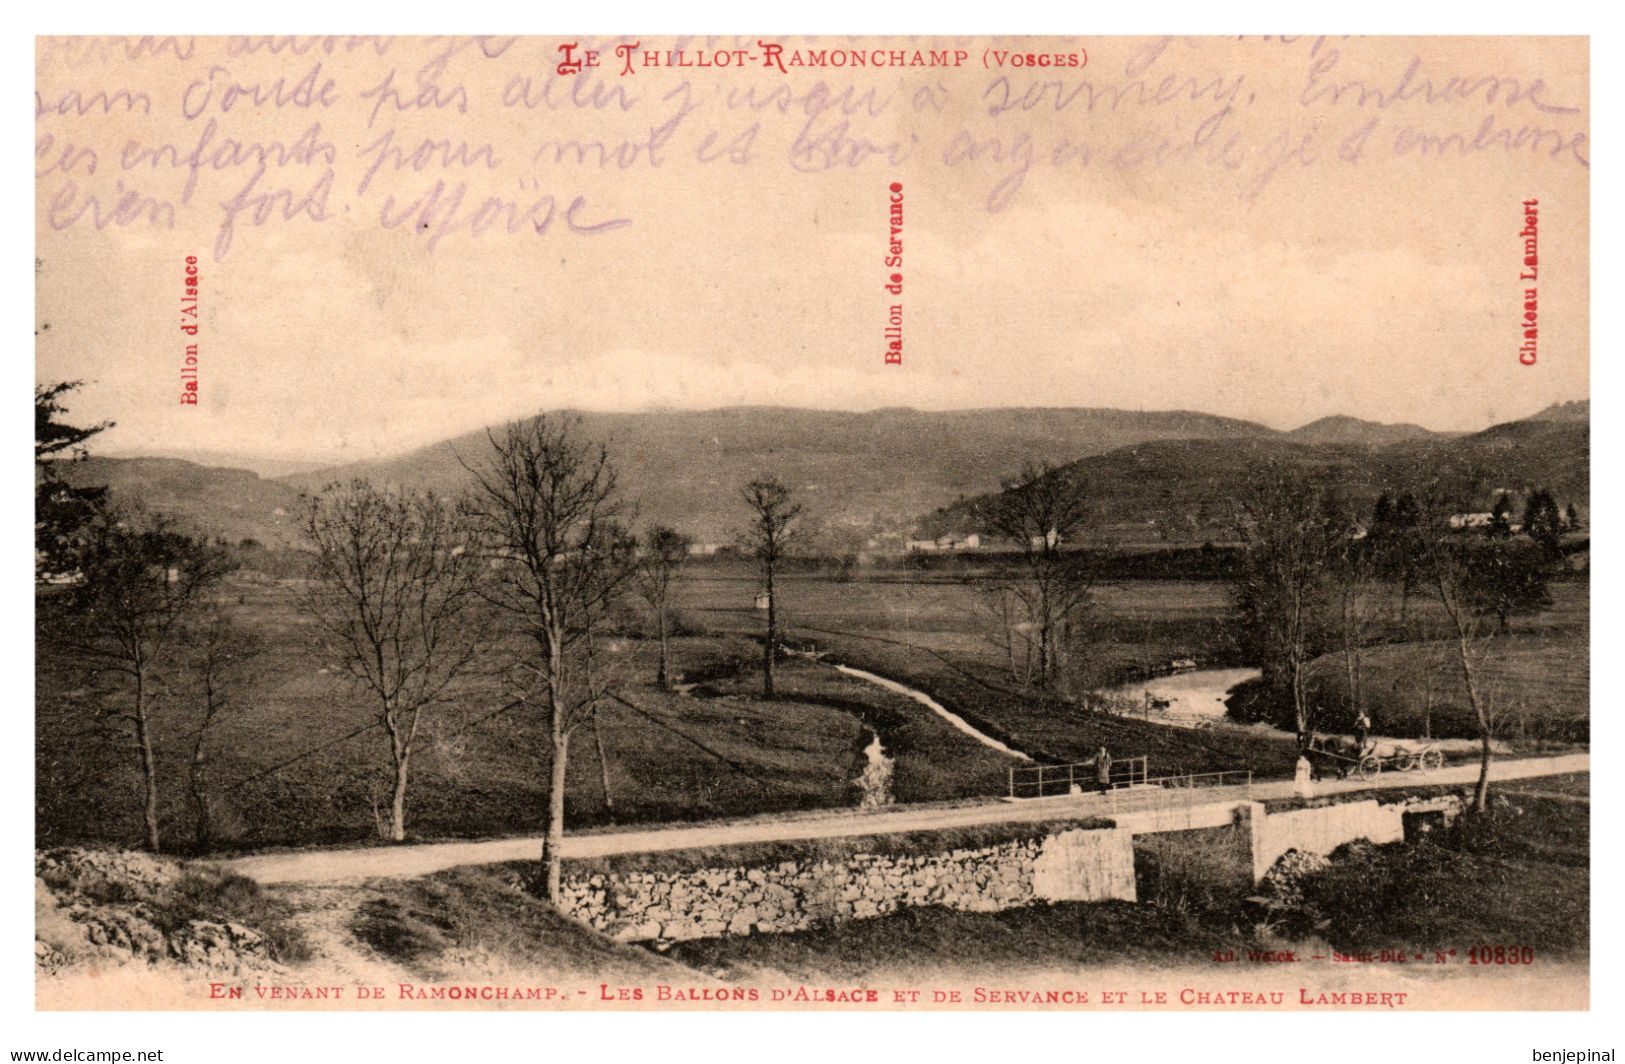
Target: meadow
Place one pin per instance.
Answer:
(297, 761)
(1535, 678)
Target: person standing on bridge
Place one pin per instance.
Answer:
(1103, 769)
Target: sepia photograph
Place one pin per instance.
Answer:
(839, 524)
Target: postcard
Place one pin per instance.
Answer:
(812, 523)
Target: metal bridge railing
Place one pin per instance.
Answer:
(1130, 784)
(1045, 781)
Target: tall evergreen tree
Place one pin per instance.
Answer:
(61, 509)
(1544, 524)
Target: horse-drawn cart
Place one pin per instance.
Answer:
(1345, 758)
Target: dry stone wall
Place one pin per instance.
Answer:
(1066, 865)
(796, 895)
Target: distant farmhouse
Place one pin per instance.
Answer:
(1481, 520)
(953, 541)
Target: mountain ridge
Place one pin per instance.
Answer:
(874, 477)
(1343, 429)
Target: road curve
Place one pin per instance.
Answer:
(418, 859)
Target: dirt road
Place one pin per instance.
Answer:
(400, 862)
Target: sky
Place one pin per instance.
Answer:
(1192, 224)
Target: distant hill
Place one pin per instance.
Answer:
(261, 465)
(1574, 410)
(1517, 456)
(1187, 490)
(859, 474)
(230, 503)
(1339, 430)
(1154, 475)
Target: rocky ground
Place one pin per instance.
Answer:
(96, 910)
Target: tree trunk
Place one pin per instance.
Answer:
(663, 676)
(400, 753)
(772, 636)
(1350, 667)
(551, 856)
(397, 803)
(1045, 662)
(149, 763)
(1350, 645)
(197, 785)
(1481, 793)
(1300, 707)
(1009, 643)
(603, 762)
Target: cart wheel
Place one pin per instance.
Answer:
(1432, 759)
(1370, 765)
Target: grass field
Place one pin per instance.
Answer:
(1574, 785)
(295, 763)
(1536, 678)
(932, 635)
(287, 768)
(1537, 685)
(1136, 625)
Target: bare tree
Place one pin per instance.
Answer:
(1012, 629)
(1353, 572)
(771, 530)
(140, 579)
(659, 559)
(1043, 510)
(546, 509)
(1281, 591)
(601, 673)
(220, 653)
(1456, 579)
(395, 595)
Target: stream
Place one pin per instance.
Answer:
(875, 783)
(1195, 699)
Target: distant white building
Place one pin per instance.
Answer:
(1481, 520)
(703, 550)
(951, 541)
